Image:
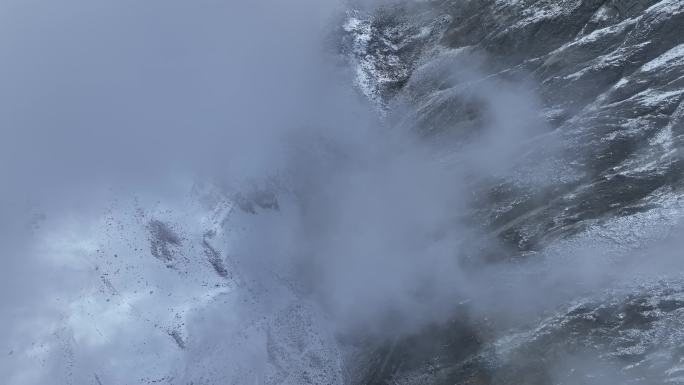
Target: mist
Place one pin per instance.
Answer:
(289, 214)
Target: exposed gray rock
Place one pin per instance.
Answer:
(610, 75)
(163, 241)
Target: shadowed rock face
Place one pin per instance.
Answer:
(163, 241)
(610, 79)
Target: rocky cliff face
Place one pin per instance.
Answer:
(604, 170)
(206, 200)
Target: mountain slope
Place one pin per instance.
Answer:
(597, 183)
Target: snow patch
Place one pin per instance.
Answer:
(670, 7)
(673, 57)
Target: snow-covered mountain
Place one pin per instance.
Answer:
(599, 185)
(454, 192)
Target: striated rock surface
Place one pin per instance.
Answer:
(600, 166)
(559, 122)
